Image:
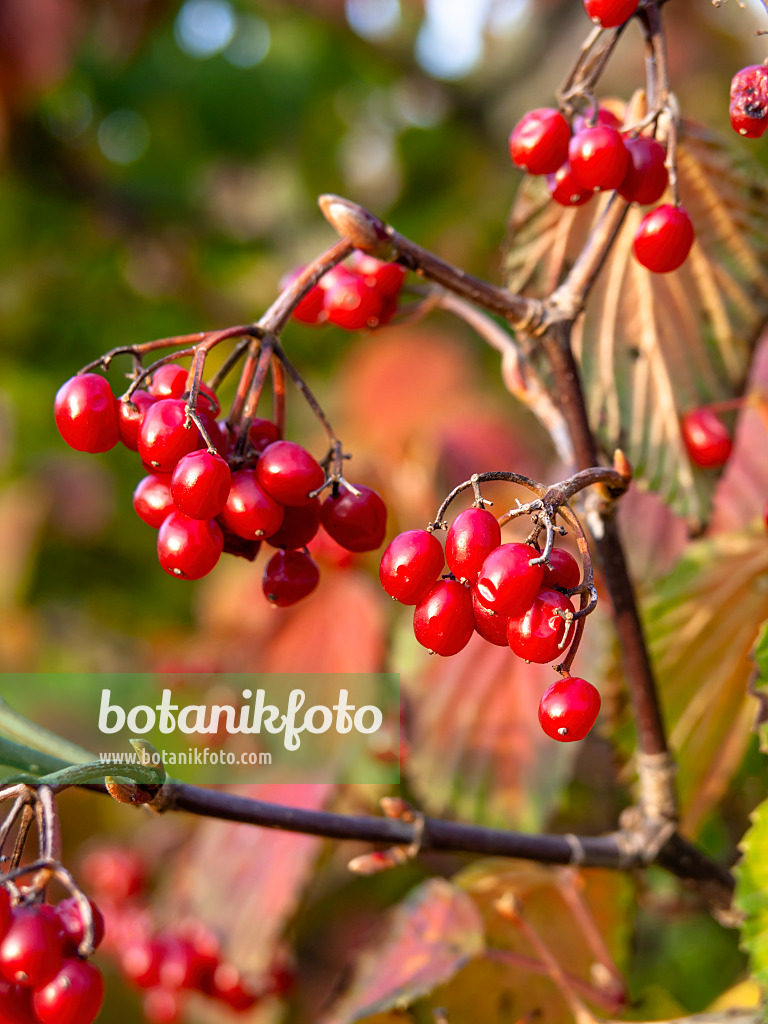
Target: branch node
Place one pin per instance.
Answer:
(365, 231)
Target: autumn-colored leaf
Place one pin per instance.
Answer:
(702, 623)
(430, 936)
(652, 346)
(246, 882)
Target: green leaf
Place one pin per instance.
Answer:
(752, 891)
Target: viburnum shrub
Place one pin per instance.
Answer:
(631, 267)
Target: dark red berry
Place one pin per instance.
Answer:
(262, 432)
(569, 709)
(208, 401)
(472, 536)
(610, 13)
(189, 548)
(663, 239)
(5, 910)
(539, 141)
(536, 635)
(749, 101)
(443, 621)
(164, 437)
(130, 415)
(152, 499)
(353, 304)
(200, 484)
(410, 565)
(32, 949)
(488, 624)
(169, 381)
(563, 570)
(646, 178)
(249, 511)
(356, 521)
(299, 526)
(86, 413)
(598, 157)
(310, 308)
(71, 917)
(507, 583)
(115, 873)
(288, 577)
(707, 438)
(564, 188)
(74, 996)
(287, 472)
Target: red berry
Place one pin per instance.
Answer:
(610, 13)
(289, 577)
(663, 239)
(488, 624)
(74, 996)
(569, 709)
(140, 961)
(200, 484)
(353, 304)
(386, 278)
(749, 101)
(598, 157)
(15, 1004)
(249, 511)
(169, 381)
(588, 119)
(536, 635)
(287, 472)
(32, 949)
(71, 918)
(5, 910)
(164, 437)
(539, 141)
(163, 1006)
(564, 188)
(646, 178)
(189, 548)
(563, 570)
(229, 988)
(356, 521)
(410, 565)
(152, 499)
(86, 413)
(130, 415)
(707, 438)
(262, 433)
(473, 535)
(114, 872)
(443, 620)
(507, 583)
(299, 526)
(208, 402)
(310, 309)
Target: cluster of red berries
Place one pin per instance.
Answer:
(203, 499)
(707, 439)
(167, 965)
(43, 979)
(749, 101)
(597, 156)
(362, 293)
(494, 589)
